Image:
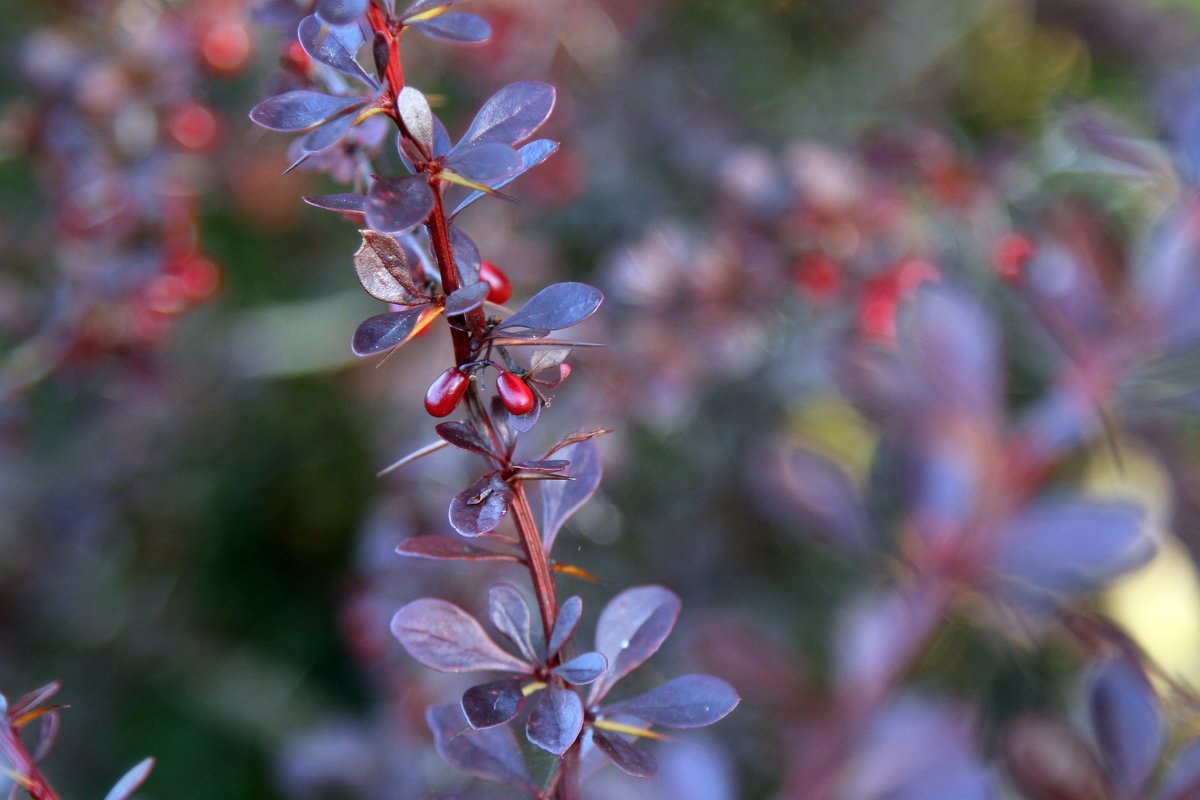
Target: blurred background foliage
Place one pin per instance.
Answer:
(185, 518)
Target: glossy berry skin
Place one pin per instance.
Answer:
(501, 286)
(446, 391)
(514, 393)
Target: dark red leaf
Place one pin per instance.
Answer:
(396, 205)
(448, 548)
(480, 507)
(568, 618)
(627, 757)
(300, 109)
(511, 616)
(383, 332)
(445, 638)
(631, 628)
(492, 753)
(689, 701)
(384, 270)
(556, 719)
(462, 435)
(561, 499)
(490, 704)
(583, 669)
(559, 305)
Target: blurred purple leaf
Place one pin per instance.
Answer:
(466, 256)
(490, 704)
(467, 298)
(531, 153)
(445, 638)
(466, 28)
(1124, 714)
(484, 162)
(345, 202)
(511, 616)
(556, 719)
(417, 117)
(878, 636)
(492, 753)
(383, 332)
(448, 548)
(583, 669)
(384, 270)
(48, 725)
(631, 628)
(561, 499)
(130, 781)
(463, 436)
(396, 205)
(1070, 545)
(300, 109)
(1183, 779)
(689, 701)
(512, 114)
(564, 625)
(320, 42)
(480, 507)
(33, 699)
(549, 467)
(795, 482)
(559, 305)
(1048, 760)
(627, 757)
(1169, 280)
(341, 12)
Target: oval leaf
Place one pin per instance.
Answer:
(463, 436)
(512, 114)
(384, 271)
(556, 720)
(559, 305)
(480, 507)
(466, 28)
(341, 12)
(568, 618)
(583, 669)
(448, 548)
(345, 202)
(445, 638)
(468, 298)
(383, 332)
(396, 205)
(490, 704)
(130, 781)
(561, 499)
(689, 701)
(484, 162)
(631, 628)
(466, 256)
(299, 110)
(492, 754)
(627, 757)
(511, 616)
(1124, 713)
(532, 154)
(318, 41)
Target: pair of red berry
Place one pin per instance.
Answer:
(447, 391)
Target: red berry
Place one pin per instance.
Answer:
(225, 46)
(501, 287)
(1010, 255)
(192, 126)
(514, 393)
(200, 277)
(446, 391)
(818, 276)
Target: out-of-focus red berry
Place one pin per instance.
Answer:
(883, 295)
(224, 46)
(500, 286)
(295, 58)
(192, 126)
(514, 393)
(817, 276)
(1010, 254)
(446, 392)
(166, 294)
(200, 277)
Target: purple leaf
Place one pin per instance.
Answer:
(689, 701)
(512, 114)
(445, 638)
(511, 616)
(448, 548)
(1124, 714)
(559, 305)
(130, 781)
(341, 12)
(631, 628)
(345, 202)
(490, 704)
(798, 483)
(1183, 781)
(463, 436)
(325, 135)
(467, 298)
(556, 719)
(877, 637)
(48, 725)
(300, 110)
(525, 422)
(561, 499)
(396, 205)
(565, 624)
(627, 757)
(1071, 545)
(319, 41)
(34, 699)
(549, 467)
(414, 112)
(1169, 280)
(384, 332)
(480, 507)
(532, 154)
(421, 6)
(466, 28)
(484, 162)
(492, 754)
(384, 270)
(583, 669)
(466, 256)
